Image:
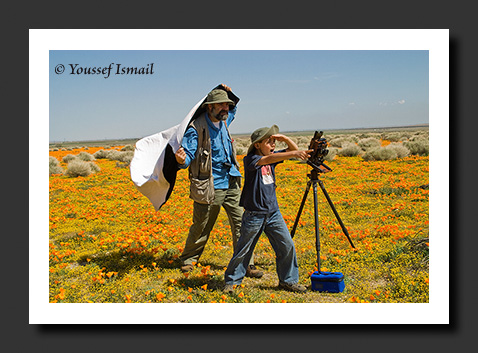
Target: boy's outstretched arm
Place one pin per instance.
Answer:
(282, 156)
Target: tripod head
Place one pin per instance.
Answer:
(317, 167)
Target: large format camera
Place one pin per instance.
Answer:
(319, 146)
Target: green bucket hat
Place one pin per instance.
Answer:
(217, 96)
(261, 134)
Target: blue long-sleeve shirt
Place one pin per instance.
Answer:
(221, 150)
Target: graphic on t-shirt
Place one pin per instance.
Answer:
(267, 174)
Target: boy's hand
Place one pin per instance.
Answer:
(302, 154)
(180, 156)
(280, 137)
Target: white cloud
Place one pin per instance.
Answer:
(384, 104)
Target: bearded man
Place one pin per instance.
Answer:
(215, 180)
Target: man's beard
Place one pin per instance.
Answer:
(222, 115)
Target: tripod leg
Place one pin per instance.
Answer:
(317, 235)
(292, 232)
(336, 213)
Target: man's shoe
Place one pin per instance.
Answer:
(253, 272)
(296, 287)
(187, 268)
(228, 289)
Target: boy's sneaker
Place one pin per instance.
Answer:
(228, 288)
(254, 272)
(296, 287)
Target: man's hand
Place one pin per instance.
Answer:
(180, 156)
(227, 88)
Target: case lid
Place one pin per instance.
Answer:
(327, 276)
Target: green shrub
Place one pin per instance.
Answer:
(339, 141)
(380, 154)
(114, 155)
(127, 148)
(400, 149)
(418, 146)
(375, 135)
(242, 142)
(332, 153)
(349, 149)
(100, 154)
(55, 166)
(302, 140)
(85, 156)
(353, 138)
(420, 135)
(94, 167)
(77, 168)
(125, 157)
(241, 151)
(392, 136)
(68, 158)
(369, 142)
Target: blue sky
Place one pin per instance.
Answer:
(295, 89)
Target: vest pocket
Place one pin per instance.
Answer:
(202, 190)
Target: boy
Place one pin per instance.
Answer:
(261, 211)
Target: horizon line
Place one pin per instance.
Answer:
(246, 133)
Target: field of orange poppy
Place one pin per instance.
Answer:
(107, 244)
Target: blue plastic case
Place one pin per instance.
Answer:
(332, 282)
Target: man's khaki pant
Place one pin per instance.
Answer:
(204, 218)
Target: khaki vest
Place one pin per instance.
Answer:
(200, 170)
